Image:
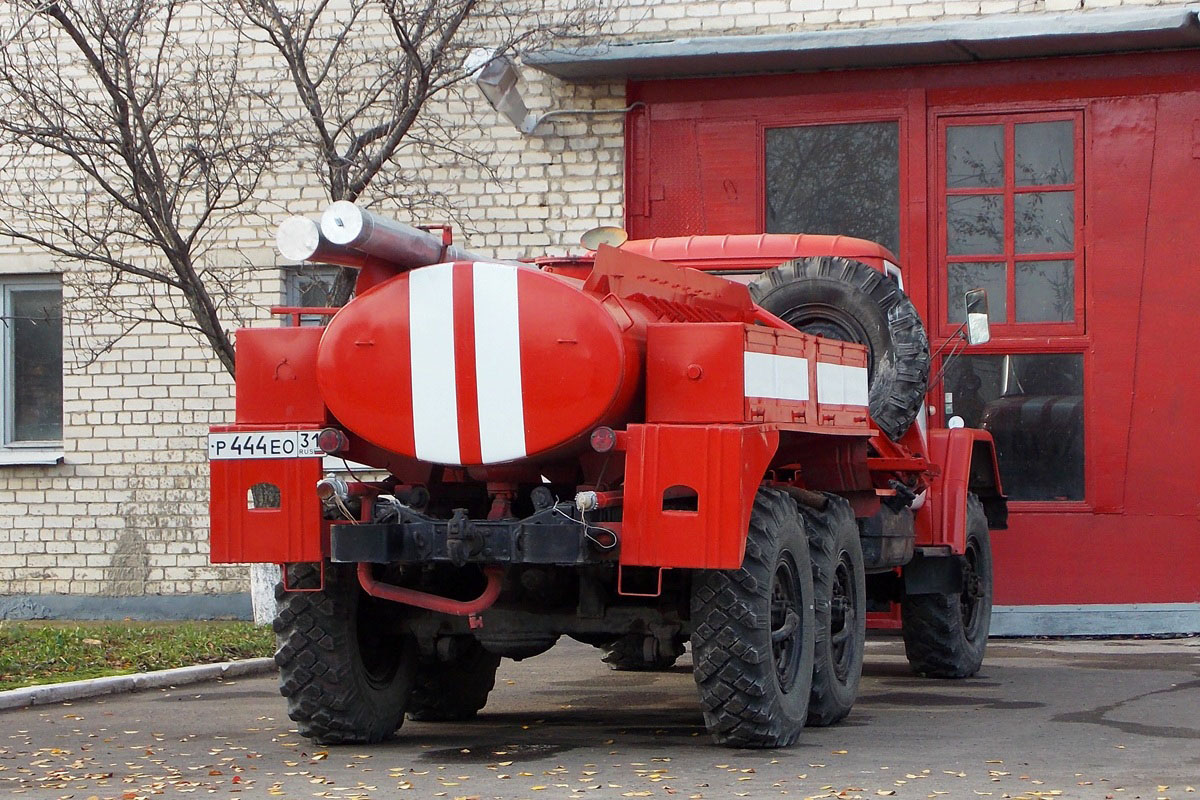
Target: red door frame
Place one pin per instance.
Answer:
(1013, 337)
(1010, 329)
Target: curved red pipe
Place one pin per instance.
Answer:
(433, 602)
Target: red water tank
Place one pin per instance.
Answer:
(477, 363)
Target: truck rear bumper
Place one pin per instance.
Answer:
(551, 536)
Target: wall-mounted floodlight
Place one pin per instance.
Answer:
(496, 76)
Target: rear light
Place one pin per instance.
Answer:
(331, 441)
(603, 439)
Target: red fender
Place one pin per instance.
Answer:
(943, 518)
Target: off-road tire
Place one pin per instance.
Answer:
(628, 654)
(754, 691)
(945, 635)
(455, 690)
(344, 680)
(844, 299)
(840, 589)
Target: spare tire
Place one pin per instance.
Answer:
(844, 299)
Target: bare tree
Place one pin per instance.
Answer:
(129, 140)
(366, 70)
(132, 132)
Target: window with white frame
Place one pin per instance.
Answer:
(308, 286)
(32, 362)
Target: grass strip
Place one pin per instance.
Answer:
(33, 653)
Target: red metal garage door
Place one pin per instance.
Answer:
(1064, 187)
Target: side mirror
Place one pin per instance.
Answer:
(977, 317)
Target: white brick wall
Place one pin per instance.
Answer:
(126, 513)
(651, 19)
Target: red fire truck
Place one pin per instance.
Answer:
(714, 439)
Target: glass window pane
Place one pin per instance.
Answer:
(1045, 153)
(1045, 291)
(961, 278)
(309, 286)
(1033, 406)
(974, 156)
(36, 371)
(975, 225)
(314, 292)
(1045, 222)
(836, 179)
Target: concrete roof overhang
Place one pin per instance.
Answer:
(992, 38)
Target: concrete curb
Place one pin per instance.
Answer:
(119, 684)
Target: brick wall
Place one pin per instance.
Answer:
(126, 514)
(650, 19)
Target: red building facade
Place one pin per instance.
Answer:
(1065, 186)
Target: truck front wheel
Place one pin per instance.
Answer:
(945, 634)
(345, 675)
(753, 633)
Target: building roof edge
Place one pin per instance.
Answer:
(987, 38)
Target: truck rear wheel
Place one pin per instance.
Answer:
(454, 690)
(345, 677)
(840, 583)
(752, 633)
(628, 654)
(843, 299)
(945, 634)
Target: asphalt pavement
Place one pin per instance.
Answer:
(1043, 719)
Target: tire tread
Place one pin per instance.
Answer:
(453, 691)
(734, 672)
(935, 642)
(830, 702)
(316, 660)
(627, 654)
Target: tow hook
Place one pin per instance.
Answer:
(462, 541)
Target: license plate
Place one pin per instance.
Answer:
(263, 444)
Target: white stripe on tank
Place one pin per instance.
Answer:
(431, 354)
(498, 363)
